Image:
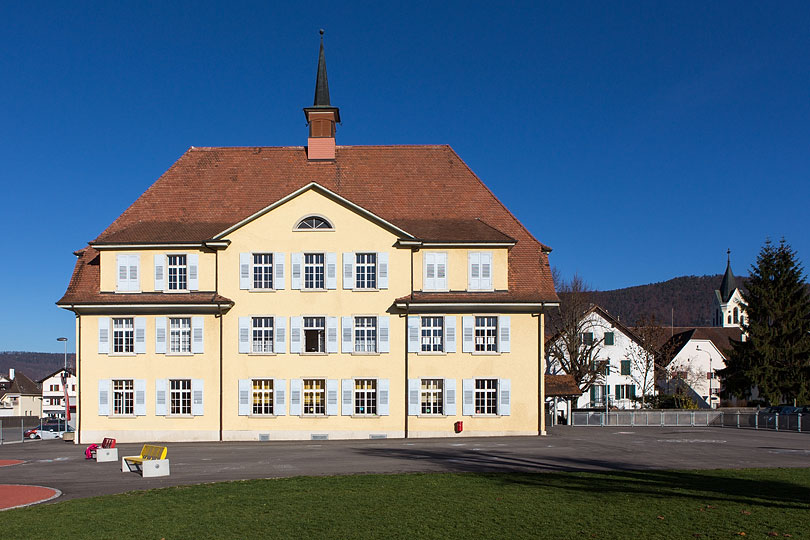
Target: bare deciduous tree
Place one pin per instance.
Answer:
(646, 355)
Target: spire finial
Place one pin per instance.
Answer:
(321, 33)
(728, 255)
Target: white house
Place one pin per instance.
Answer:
(53, 394)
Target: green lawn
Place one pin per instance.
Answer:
(621, 505)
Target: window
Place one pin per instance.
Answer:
(180, 396)
(123, 396)
(486, 334)
(365, 271)
(598, 393)
(736, 316)
(178, 273)
(365, 396)
(123, 335)
(365, 334)
(54, 388)
(313, 271)
(486, 396)
(262, 334)
(432, 334)
(587, 338)
(313, 222)
(625, 367)
(435, 277)
(314, 397)
(128, 266)
(479, 272)
(262, 396)
(262, 270)
(609, 338)
(180, 335)
(431, 399)
(314, 334)
(625, 391)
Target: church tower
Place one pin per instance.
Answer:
(321, 117)
(728, 310)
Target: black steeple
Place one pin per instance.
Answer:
(321, 82)
(729, 283)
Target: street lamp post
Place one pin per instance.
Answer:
(64, 379)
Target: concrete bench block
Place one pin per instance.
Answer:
(106, 454)
(155, 467)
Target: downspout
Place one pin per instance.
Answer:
(78, 381)
(216, 292)
(542, 383)
(407, 311)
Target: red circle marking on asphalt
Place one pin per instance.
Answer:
(14, 496)
(7, 462)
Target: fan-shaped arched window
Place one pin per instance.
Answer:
(312, 223)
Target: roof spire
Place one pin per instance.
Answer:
(321, 83)
(729, 284)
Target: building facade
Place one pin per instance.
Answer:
(23, 397)
(728, 309)
(311, 292)
(54, 389)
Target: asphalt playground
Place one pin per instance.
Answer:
(61, 469)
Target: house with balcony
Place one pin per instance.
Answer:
(311, 292)
(22, 396)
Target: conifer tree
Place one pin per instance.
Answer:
(775, 357)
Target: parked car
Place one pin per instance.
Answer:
(48, 431)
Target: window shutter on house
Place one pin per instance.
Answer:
(280, 341)
(104, 397)
(193, 271)
(331, 334)
(382, 270)
(383, 324)
(348, 270)
(450, 397)
(123, 272)
(468, 389)
(413, 396)
(104, 335)
(140, 397)
(244, 335)
(244, 270)
(331, 397)
(441, 271)
(197, 335)
(348, 399)
(413, 334)
(296, 386)
(197, 386)
(468, 334)
(279, 277)
(383, 390)
(486, 271)
(295, 340)
(504, 397)
(140, 335)
(331, 270)
(429, 278)
(160, 335)
(279, 397)
(160, 272)
(347, 333)
(504, 333)
(295, 261)
(450, 333)
(160, 397)
(474, 270)
(245, 386)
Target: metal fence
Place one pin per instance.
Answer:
(13, 428)
(668, 418)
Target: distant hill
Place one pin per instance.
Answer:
(34, 365)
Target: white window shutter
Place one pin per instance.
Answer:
(383, 391)
(140, 397)
(473, 270)
(244, 270)
(348, 270)
(383, 332)
(280, 341)
(450, 333)
(441, 271)
(486, 271)
(504, 333)
(160, 335)
(332, 335)
(449, 397)
(104, 397)
(331, 397)
(295, 261)
(245, 387)
(296, 324)
(331, 270)
(244, 335)
(193, 271)
(140, 335)
(347, 402)
(468, 389)
(160, 272)
(122, 261)
(197, 335)
(135, 273)
(280, 397)
(504, 397)
(468, 334)
(414, 386)
(413, 334)
(429, 278)
(382, 270)
(296, 387)
(104, 335)
(160, 397)
(197, 387)
(347, 335)
(279, 266)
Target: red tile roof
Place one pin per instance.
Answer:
(561, 386)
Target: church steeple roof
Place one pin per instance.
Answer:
(321, 82)
(729, 284)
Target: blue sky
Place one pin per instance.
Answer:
(639, 139)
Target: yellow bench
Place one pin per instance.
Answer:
(150, 462)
